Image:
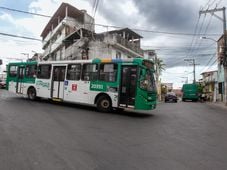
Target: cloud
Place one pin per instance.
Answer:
(5, 17)
(168, 15)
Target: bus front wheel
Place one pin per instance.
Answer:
(31, 94)
(104, 104)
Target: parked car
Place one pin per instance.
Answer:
(171, 97)
(2, 83)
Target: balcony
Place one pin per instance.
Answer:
(115, 39)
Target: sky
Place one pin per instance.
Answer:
(171, 27)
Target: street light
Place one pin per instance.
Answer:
(208, 38)
(26, 55)
(11, 58)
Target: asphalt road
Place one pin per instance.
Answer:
(42, 135)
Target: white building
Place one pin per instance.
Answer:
(150, 54)
(57, 35)
(70, 35)
(210, 83)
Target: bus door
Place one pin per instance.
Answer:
(19, 83)
(58, 77)
(128, 85)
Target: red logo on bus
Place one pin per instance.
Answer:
(74, 87)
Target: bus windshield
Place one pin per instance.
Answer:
(147, 81)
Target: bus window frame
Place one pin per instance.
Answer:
(144, 82)
(49, 71)
(108, 76)
(89, 74)
(30, 75)
(80, 71)
(14, 71)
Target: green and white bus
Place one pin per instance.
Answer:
(104, 83)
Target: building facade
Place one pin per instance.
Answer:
(221, 76)
(70, 35)
(210, 85)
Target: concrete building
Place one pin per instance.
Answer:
(149, 54)
(210, 84)
(169, 86)
(221, 79)
(70, 35)
(68, 26)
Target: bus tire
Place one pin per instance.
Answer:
(31, 93)
(104, 104)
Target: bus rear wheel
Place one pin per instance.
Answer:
(31, 93)
(104, 104)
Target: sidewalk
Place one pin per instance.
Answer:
(218, 104)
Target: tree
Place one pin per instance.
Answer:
(159, 67)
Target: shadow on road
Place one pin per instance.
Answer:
(119, 112)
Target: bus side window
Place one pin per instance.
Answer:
(44, 71)
(108, 72)
(21, 73)
(13, 71)
(30, 71)
(73, 72)
(90, 72)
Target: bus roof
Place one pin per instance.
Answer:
(23, 63)
(96, 60)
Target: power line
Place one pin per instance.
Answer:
(212, 64)
(95, 7)
(18, 36)
(214, 55)
(212, 3)
(25, 12)
(195, 30)
(111, 26)
(205, 32)
(207, 4)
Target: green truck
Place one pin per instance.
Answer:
(190, 92)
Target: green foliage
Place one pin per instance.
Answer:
(159, 65)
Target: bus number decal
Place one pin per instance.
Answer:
(97, 87)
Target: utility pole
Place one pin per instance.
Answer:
(212, 12)
(194, 64)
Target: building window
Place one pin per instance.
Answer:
(118, 55)
(220, 88)
(54, 57)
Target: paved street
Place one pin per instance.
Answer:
(42, 135)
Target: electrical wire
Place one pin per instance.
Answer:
(112, 26)
(96, 7)
(18, 36)
(211, 65)
(198, 39)
(207, 65)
